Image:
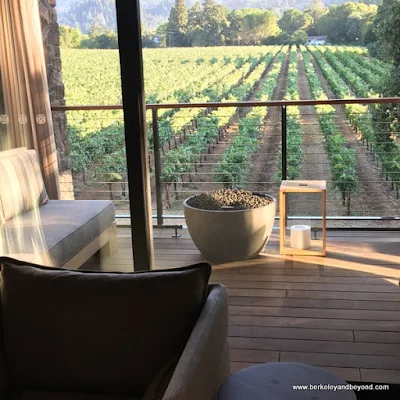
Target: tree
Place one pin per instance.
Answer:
(177, 25)
(162, 29)
(208, 25)
(235, 29)
(195, 30)
(70, 37)
(100, 37)
(251, 26)
(293, 20)
(97, 29)
(316, 11)
(214, 24)
(299, 37)
(347, 23)
(107, 41)
(385, 30)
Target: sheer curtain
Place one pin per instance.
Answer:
(26, 120)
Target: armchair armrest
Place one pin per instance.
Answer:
(204, 363)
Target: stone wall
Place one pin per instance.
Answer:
(51, 40)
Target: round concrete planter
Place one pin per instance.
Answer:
(231, 235)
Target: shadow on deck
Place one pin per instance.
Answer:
(340, 312)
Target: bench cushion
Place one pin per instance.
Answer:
(55, 232)
(110, 333)
(21, 183)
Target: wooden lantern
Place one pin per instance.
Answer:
(318, 247)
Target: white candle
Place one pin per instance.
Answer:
(300, 237)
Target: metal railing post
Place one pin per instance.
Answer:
(157, 167)
(284, 142)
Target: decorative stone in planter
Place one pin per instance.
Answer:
(230, 225)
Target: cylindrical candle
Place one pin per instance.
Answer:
(300, 237)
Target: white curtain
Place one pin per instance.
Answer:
(26, 119)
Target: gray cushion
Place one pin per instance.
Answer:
(21, 183)
(274, 381)
(96, 332)
(40, 395)
(56, 232)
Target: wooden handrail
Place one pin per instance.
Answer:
(274, 103)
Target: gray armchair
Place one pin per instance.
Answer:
(204, 363)
(68, 335)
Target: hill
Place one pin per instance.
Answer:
(82, 13)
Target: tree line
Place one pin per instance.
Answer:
(210, 24)
(98, 37)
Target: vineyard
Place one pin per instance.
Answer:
(355, 148)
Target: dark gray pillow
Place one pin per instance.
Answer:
(90, 331)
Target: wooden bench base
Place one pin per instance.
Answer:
(106, 243)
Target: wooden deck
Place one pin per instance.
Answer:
(341, 312)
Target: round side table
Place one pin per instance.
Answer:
(276, 381)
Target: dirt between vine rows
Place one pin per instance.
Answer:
(204, 178)
(99, 191)
(374, 196)
(265, 160)
(315, 164)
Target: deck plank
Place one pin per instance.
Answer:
(344, 287)
(340, 312)
(297, 312)
(371, 280)
(246, 297)
(315, 346)
(377, 337)
(315, 323)
(290, 333)
(340, 360)
(380, 375)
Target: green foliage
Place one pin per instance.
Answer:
(293, 127)
(155, 12)
(113, 167)
(79, 150)
(299, 37)
(294, 20)
(214, 25)
(92, 147)
(316, 11)
(347, 23)
(234, 168)
(185, 156)
(177, 25)
(236, 22)
(342, 159)
(375, 124)
(385, 43)
(251, 26)
(224, 74)
(99, 37)
(97, 137)
(385, 31)
(70, 37)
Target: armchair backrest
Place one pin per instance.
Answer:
(109, 333)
